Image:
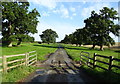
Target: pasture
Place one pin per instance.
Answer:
(44, 49)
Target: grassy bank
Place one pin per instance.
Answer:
(74, 53)
(19, 73)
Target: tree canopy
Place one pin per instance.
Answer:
(101, 25)
(49, 36)
(97, 29)
(17, 21)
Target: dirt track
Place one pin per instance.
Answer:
(58, 68)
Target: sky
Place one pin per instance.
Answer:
(65, 16)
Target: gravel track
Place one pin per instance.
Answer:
(58, 68)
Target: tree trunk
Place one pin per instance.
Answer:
(76, 44)
(109, 45)
(19, 41)
(80, 45)
(10, 44)
(93, 46)
(9, 34)
(101, 47)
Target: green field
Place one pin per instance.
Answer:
(45, 49)
(41, 49)
(74, 53)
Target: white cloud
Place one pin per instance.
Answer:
(74, 14)
(63, 11)
(87, 11)
(46, 14)
(56, 11)
(46, 3)
(72, 9)
(84, 1)
(71, 18)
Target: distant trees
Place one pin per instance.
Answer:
(17, 21)
(49, 36)
(97, 29)
(79, 37)
(66, 39)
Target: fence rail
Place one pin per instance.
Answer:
(26, 60)
(95, 60)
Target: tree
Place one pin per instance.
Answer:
(66, 39)
(73, 38)
(101, 25)
(28, 38)
(79, 37)
(17, 21)
(49, 36)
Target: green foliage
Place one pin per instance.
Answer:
(101, 25)
(17, 21)
(78, 37)
(49, 36)
(66, 39)
(97, 29)
(28, 39)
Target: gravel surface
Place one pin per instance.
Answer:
(58, 68)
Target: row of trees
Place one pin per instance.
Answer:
(18, 22)
(97, 29)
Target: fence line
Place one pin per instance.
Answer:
(95, 60)
(27, 60)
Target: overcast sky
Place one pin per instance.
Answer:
(65, 16)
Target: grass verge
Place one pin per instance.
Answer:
(17, 74)
(74, 53)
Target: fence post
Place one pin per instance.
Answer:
(80, 58)
(110, 63)
(26, 59)
(88, 62)
(94, 60)
(4, 64)
(88, 59)
(36, 56)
